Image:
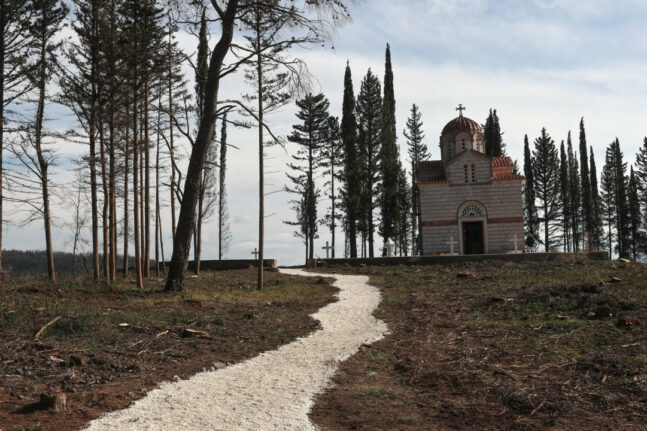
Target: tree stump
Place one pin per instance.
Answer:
(54, 401)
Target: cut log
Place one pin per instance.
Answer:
(186, 333)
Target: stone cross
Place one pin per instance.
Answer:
(460, 109)
(256, 253)
(390, 248)
(451, 243)
(516, 240)
(328, 248)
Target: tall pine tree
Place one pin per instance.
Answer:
(641, 176)
(608, 195)
(369, 117)
(530, 213)
(332, 159)
(546, 173)
(635, 221)
(622, 202)
(310, 135)
(417, 153)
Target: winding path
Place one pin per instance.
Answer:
(273, 391)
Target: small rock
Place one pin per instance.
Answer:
(627, 322)
(176, 378)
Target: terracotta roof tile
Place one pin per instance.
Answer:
(502, 161)
(431, 165)
(504, 176)
(461, 124)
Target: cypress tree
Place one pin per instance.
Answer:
(494, 145)
(224, 233)
(389, 160)
(369, 117)
(575, 195)
(641, 177)
(546, 172)
(622, 202)
(634, 215)
(404, 237)
(417, 153)
(608, 195)
(529, 195)
(587, 204)
(310, 136)
(565, 195)
(352, 173)
(595, 198)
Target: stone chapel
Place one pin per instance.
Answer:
(469, 202)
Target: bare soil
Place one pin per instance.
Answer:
(111, 346)
(542, 346)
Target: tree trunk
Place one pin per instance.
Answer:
(147, 186)
(157, 194)
(2, 81)
(186, 220)
(107, 271)
(112, 193)
(261, 169)
(126, 207)
(332, 194)
(138, 257)
(42, 163)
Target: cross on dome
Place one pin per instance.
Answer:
(460, 109)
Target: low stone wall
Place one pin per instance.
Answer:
(449, 260)
(221, 265)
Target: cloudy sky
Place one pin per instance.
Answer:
(540, 63)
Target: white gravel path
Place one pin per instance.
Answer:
(273, 391)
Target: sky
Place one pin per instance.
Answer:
(540, 63)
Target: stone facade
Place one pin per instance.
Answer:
(468, 200)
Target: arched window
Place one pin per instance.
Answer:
(471, 210)
(466, 176)
(473, 174)
(463, 144)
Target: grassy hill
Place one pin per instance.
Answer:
(507, 346)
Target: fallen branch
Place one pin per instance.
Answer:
(47, 325)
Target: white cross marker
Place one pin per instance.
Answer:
(516, 240)
(451, 243)
(256, 253)
(327, 248)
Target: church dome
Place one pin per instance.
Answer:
(462, 124)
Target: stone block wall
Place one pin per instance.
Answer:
(439, 208)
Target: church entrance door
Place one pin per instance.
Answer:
(473, 237)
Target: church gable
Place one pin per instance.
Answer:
(469, 167)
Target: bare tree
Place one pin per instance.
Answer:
(14, 42)
(229, 13)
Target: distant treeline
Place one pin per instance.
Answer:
(34, 262)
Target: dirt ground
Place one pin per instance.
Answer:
(111, 346)
(552, 346)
